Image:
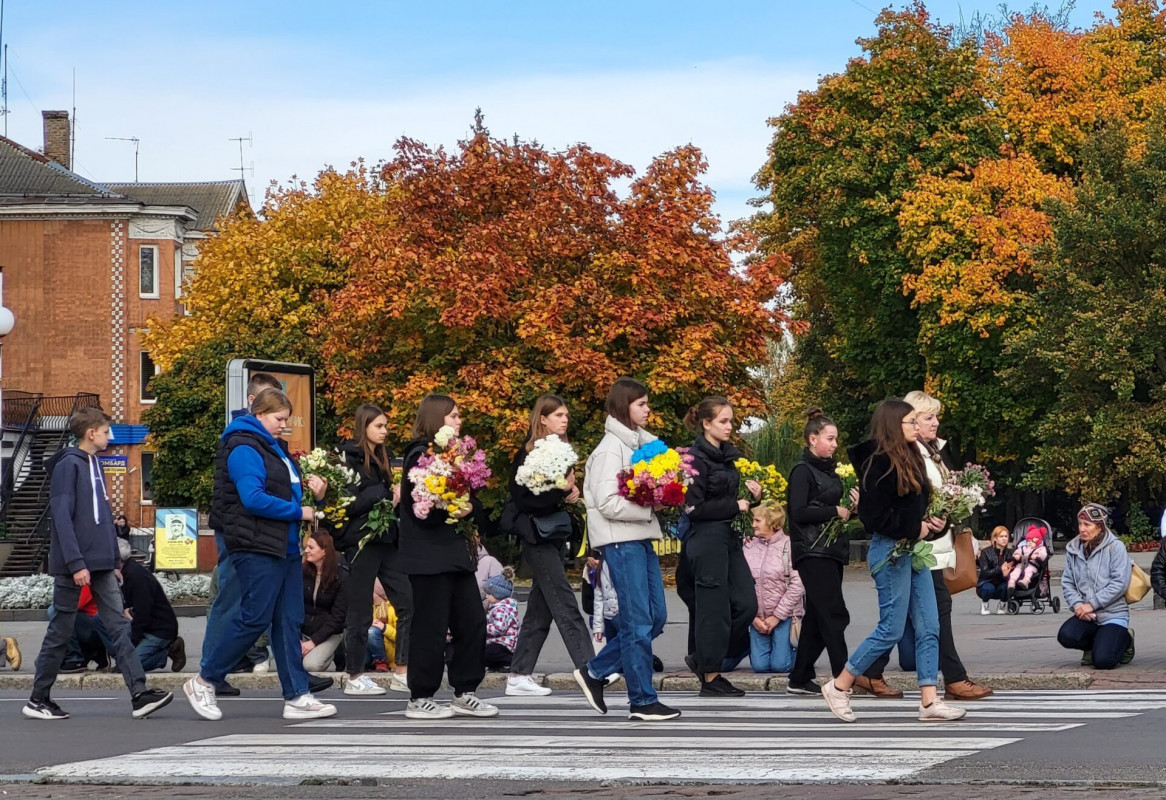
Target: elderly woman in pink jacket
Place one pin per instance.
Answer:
(779, 592)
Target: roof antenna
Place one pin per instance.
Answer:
(73, 132)
(133, 139)
(242, 169)
(4, 80)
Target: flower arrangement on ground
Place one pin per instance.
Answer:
(330, 467)
(447, 475)
(838, 526)
(658, 476)
(546, 465)
(773, 488)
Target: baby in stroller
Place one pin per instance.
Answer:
(1028, 558)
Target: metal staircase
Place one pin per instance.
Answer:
(36, 427)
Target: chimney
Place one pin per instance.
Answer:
(57, 137)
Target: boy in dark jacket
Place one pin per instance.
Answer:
(153, 626)
(83, 552)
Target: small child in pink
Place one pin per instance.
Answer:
(1028, 558)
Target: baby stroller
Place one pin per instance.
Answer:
(1039, 592)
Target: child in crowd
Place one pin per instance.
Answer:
(501, 620)
(1028, 557)
(605, 605)
(382, 634)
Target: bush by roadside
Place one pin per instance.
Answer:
(36, 591)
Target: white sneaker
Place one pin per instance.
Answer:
(307, 707)
(425, 708)
(202, 699)
(614, 677)
(524, 686)
(262, 666)
(940, 711)
(984, 609)
(398, 683)
(1000, 607)
(469, 705)
(838, 701)
(362, 685)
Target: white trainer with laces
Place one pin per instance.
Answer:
(940, 711)
(398, 683)
(426, 708)
(307, 707)
(984, 608)
(362, 685)
(202, 699)
(469, 705)
(838, 701)
(524, 686)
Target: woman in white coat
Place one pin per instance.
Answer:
(624, 532)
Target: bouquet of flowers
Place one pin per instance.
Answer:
(380, 520)
(659, 476)
(836, 526)
(546, 465)
(773, 487)
(961, 494)
(447, 474)
(331, 467)
(919, 551)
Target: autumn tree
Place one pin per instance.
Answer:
(500, 270)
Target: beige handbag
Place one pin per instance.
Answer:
(962, 576)
(795, 626)
(1139, 584)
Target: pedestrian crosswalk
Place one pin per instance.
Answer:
(760, 737)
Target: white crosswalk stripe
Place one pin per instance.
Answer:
(761, 737)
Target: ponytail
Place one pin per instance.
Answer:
(704, 411)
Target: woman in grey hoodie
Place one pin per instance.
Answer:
(1097, 574)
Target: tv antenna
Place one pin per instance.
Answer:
(133, 139)
(4, 79)
(242, 169)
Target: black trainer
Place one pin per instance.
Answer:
(592, 689)
(317, 684)
(149, 701)
(225, 689)
(176, 652)
(654, 712)
(807, 688)
(43, 709)
(73, 669)
(719, 687)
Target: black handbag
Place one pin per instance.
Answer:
(553, 527)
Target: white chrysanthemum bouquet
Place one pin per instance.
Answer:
(546, 465)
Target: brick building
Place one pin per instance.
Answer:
(85, 267)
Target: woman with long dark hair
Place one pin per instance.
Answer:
(895, 495)
(440, 565)
(325, 602)
(551, 596)
(367, 456)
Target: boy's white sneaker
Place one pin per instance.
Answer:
(362, 685)
(202, 699)
(940, 711)
(524, 686)
(469, 705)
(838, 701)
(984, 609)
(425, 708)
(262, 667)
(398, 683)
(307, 707)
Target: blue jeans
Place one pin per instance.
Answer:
(992, 591)
(635, 574)
(772, 652)
(152, 651)
(272, 595)
(374, 649)
(224, 607)
(903, 593)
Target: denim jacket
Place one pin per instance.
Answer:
(1101, 580)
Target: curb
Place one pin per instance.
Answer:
(564, 681)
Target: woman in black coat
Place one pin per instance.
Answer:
(325, 602)
(367, 456)
(993, 568)
(715, 582)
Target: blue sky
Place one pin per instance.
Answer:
(325, 83)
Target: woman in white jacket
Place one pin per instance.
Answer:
(624, 532)
(957, 684)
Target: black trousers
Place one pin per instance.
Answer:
(498, 658)
(449, 601)
(377, 560)
(551, 599)
(1108, 643)
(949, 659)
(723, 599)
(825, 621)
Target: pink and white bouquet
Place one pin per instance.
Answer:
(546, 465)
(962, 493)
(447, 474)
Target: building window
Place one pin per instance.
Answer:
(148, 372)
(179, 277)
(147, 478)
(148, 271)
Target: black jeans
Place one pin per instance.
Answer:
(825, 621)
(498, 658)
(724, 601)
(448, 601)
(107, 595)
(1108, 642)
(551, 598)
(949, 659)
(377, 560)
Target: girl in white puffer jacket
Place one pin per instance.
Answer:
(780, 595)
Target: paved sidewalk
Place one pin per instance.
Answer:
(1003, 650)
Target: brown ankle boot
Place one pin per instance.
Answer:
(876, 686)
(966, 689)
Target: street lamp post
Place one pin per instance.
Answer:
(7, 322)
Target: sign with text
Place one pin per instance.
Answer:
(176, 539)
(113, 465)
